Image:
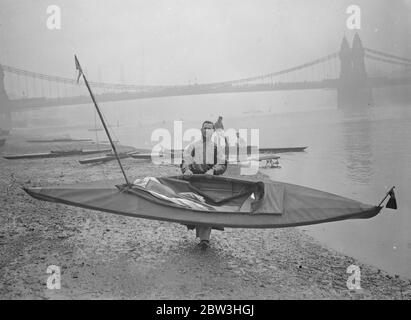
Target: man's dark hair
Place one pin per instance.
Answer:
(207, 122)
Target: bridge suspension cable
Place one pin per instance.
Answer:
(390, 61)
(278, 73)
(387, 55)
(115, 86)
(70, 81)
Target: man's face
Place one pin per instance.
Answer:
(207, 130)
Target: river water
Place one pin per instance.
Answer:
(356, 153)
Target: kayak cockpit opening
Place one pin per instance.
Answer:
(201, 192)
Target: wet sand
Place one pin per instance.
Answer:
(105, 256)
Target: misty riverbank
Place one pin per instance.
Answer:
(107, 256)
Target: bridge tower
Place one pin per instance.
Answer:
(353, 90)
(346, 63)
(358, 63)
(5, 106)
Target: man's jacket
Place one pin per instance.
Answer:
(201, 156)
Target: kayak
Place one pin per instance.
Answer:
(210, 200)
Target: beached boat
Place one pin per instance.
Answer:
(95, 129)
(57, 140)
(211, 200)
(271, 160)
(53, 154)
(278, 150)
(122, 155)
(106, 158)
(142, 156)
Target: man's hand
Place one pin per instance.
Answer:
(210, 172)
(188, 172)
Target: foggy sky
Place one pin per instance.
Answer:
(182, 41)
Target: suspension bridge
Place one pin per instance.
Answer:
(353, 71)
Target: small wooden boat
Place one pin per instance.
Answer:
(53, 154)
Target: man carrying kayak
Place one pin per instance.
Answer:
(204, 156)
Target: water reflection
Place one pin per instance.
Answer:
(357, 135)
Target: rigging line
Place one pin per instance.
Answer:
(73, 87)
(111, 128)
(78, 66)
(387, 55)
(98, 145)
(95, 132)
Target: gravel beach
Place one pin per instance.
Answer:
(105, 256)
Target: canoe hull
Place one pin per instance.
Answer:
(109, 199)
